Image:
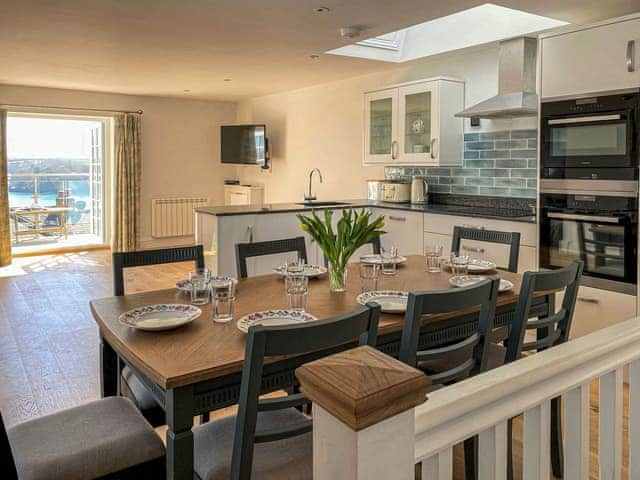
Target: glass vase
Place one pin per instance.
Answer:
(337, 278)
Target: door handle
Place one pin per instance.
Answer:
(397, 219)
(433, 142)
(594, 118)
(473, 249)
(589, 299)
(394, 150)
(585, 218)
(250, 234)
(631, 55)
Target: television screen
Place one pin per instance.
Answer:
(243, 144)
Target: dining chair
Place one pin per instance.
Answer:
(551, 330)
(269, 247)
(105, 439)
(478, 235)
(454, 362)
(270, 438)
(375, 245)
(130, 385)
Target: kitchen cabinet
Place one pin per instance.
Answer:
(414, 123)
(590, 59)
(404, 230)
(243, 195)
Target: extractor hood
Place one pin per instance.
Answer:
(516, 83)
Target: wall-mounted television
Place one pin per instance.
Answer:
(244, 145)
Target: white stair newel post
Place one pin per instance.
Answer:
(363, 415)
(610, 447)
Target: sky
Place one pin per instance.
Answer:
(29, 137)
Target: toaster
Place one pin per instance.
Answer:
(396, 191)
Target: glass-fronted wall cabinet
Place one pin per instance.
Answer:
(414, 123)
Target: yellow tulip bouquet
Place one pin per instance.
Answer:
(353, 230)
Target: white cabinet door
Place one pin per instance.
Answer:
(381, 126)
(593, 59)
(419, 119)
(404, 230)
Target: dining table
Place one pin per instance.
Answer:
(197, 368)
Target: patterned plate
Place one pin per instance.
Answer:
(310, 271)
(160, 317)
(390, 301)
(272, 318)
(475, 265)
(377, 259)
(468, 280)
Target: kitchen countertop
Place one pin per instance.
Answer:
(499, 213)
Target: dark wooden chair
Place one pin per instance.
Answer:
(489, 236)
(269, 247)
(451, 363)
(105, 439)
(271, 438)
(375, 245)
(551, 330)
(130, 385)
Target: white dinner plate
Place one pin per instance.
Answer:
(475, 265)
(390, 301)
(163, 316)
(377, 259)
(310, 271)
(468, 280)
(274, 317)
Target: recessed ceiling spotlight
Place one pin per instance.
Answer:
(322, 9)
(314, 56)
(350, 31)
(227, 79)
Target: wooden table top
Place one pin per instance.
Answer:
(205, 350)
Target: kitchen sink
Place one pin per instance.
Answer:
(322, 204)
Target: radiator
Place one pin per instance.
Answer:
(173, 217)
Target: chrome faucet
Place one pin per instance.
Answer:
(311, 197)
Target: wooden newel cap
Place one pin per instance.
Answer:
(362, 386)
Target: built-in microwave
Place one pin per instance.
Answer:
(590, 138)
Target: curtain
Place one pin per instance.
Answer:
(126, 181)
(5, 233)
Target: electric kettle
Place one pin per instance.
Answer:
(419, 190)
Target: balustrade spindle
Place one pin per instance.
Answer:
(576, 434)
(610, 446)
(537, 437)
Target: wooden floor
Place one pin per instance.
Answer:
(49, 341)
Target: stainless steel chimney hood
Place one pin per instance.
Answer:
(516, 83)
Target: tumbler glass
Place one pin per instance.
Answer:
(223, 299)
(389, 257)
(369, 273)
(433, 254)
(296, 287)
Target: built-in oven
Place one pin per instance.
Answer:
(590, 138)
(598, 227)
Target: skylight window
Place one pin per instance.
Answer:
(464, 29)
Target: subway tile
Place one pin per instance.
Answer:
(509, 144)
(440, 188)
(524, 134)
(471, 137)
(532, 163)
(431, 180)
(486, 163)
(523, 192)
(438, 172)
(511, 163)
(445, 180)
(464, 189)
(524, 172)
(532, 183)
(478, 146)
(479, 181)
(529, 153)
(471, 154)
(500, 192)
(503, 135)
(532, 143)
(494, 154)
(464, 172)
(511, 182)
(494, 172)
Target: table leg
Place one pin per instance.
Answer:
(179, 408)
(108, 369)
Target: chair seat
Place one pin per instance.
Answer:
(85, 442)
(134, 390)
(291, 458)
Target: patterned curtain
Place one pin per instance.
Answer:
(5, 233)
(127, 181)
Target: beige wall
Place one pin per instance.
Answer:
(181, 145)
(322, 126)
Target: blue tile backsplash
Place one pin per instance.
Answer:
(494, 163)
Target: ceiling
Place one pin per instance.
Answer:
(164, 47)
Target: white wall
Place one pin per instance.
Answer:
(180, 142)
(322, 126)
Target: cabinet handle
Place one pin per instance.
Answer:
(398, 219)
(473, 249)
(394, 150)
(589, 299)
(433, 142)
(250, 234)
(477, 227)
(631, 54)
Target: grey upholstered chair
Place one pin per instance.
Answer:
(105, 439)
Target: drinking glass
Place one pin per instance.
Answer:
(296, 287)
(388, 257)
(369, 277)
(433, 254)
(223, 298)
(294, 266)
(199, 289)
(200, 272)
(460, 265)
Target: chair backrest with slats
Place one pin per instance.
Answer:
(262, 341)
(512, 239)
(555, 327)
(7, 464)
(269, 247)
(122, 260)
(472, 348)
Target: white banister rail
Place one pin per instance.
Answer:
(482, 405)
